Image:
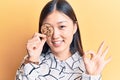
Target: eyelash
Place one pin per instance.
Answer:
(62, 27)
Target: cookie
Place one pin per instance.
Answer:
(47, 29)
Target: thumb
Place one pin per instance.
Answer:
(43, 40)
(89, 54)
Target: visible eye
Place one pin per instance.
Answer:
(61, 27)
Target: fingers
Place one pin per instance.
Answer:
(41, 37)
(36, 41)
(37, 37)
(108, 60)
(105, 52)
(100, 49)
(89, 54)
(102, 53)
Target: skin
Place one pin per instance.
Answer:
(95, 64)
(60, 41)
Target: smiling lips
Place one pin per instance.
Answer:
(57, 43)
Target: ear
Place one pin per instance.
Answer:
(74, 28)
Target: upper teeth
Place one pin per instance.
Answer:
(57, 42)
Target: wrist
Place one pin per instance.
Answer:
(92, 73)
(31, 60)
(34, 59)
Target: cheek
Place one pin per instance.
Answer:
(69, 30)
(68, 33)
(68, 37)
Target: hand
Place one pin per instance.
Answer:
(35, 46)
(95, 64)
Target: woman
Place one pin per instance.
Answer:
(60, 55)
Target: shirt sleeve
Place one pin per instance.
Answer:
(90, 77)
(28, 71)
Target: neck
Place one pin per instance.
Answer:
(62, 55)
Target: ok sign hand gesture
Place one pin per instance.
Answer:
(95, 64)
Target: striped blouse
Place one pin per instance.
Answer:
(50, 68)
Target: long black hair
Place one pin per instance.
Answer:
(64, 7)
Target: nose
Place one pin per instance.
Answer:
(56, 33)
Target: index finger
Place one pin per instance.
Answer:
(99, 52)
(39, 35)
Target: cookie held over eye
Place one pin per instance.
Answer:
(47, 29)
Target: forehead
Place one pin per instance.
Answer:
(57, 16)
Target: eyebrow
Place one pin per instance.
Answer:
(57, 22)
(61, 22)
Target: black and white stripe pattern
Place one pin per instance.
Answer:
(51, 68)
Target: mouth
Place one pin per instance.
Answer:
(57, 43)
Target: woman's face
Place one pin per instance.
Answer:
(63, 32)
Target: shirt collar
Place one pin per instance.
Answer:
(75, 57)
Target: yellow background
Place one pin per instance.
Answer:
(98, 19)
